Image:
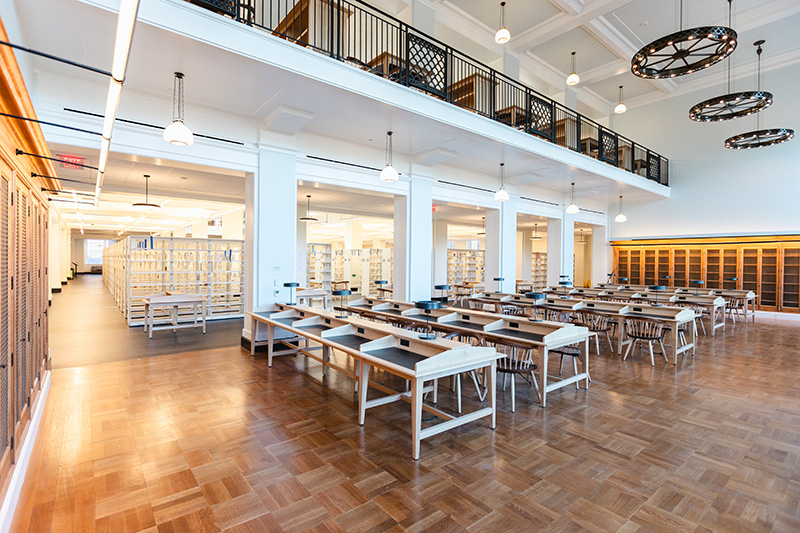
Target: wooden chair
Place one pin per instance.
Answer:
(644, 330)
(518, 360)
(574, 351)
(502, 308)
(554, 315)
(472, 339)
(598, 325)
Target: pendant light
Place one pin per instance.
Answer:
(503, 35)
(483, 231)
(620, 107)
(581, 238)
(389, 174)
(501, 195)
(308, 217)
(146, 202)
(535, 236)
(731, 105)
(177, 133)
(759, 138)
(573, 78)
(684, 51)
(621, 216)
(572, 209)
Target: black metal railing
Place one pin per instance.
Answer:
(372, 40)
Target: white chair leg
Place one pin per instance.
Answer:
(458, 392)
(596, 344)
(575, 369)
(631, 344)
(652, 358)
(663, 351)
(513, 394)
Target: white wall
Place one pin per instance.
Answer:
(717, 191)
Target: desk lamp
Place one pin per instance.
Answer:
(427, 305)
(535, 296)
(656, 289)
(499, 281)
(342, 293)
(697, 283)
(291, 285)
(443, 296)
(380, 283)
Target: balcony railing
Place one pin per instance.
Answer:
(374, 41)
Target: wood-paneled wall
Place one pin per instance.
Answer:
(768, 266)
(23, 263)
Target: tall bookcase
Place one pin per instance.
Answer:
(139, 266)
(319, 263)
(539, 270)
(768, 266)
(464, 266)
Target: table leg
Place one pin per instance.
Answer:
(204, 309)
(714, 314)
(586, 362)
(363, 379)
(174, 318)
(675, 342)
(326, 356)
(146, 314)
(150, 330)
(270, 334)
(416, 415)
(694, 338)
(194, 314)
(543, 357)
(492, 380)
(620, 334)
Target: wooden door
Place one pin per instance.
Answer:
(7, 326)
(21, 396)
(790, 280)
(679, 267)
(769, 279)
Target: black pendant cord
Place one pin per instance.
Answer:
(56, 58)
(730, 21)
(758, 78)
(20, 152)
(46, 123)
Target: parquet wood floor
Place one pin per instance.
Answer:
(210, 441)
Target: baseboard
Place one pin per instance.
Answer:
(19, 469)
(774, 315)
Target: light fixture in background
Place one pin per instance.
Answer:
(621, 216)
(572, 209)
(503, 35)
(759, 138)
(684, 51)
(501, 195)
(573, 78)
(483, 230)
(535, 236)
(178, 133)
(308, 217)
(581, 237)
(620, 107)
(389, 173)
(146, 202)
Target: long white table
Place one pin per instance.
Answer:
(396, 351)
(172, 302)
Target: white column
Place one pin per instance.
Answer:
(554, 251)
(65, 251)
(439, 252)
(233, 225)
(501, 246)
(270, 231)
(54, 251)
(352, 235)
(200, 230)
(301, 248)
(568, 246)
(413, 228)
(525, 255)
(601, 256)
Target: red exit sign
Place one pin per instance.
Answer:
(70, 161)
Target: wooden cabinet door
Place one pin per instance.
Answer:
(635, 267)
(695, 256)
(769, 279)
(663, 270)
(713, 268)
(623, 269)
(679, 268)
(21, 397)
(649, 266)
(790, 280)
(730, 268)
(7, 326)
(749, 275)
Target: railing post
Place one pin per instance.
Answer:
(578, 132)
(601, 152)
(492, 83)
(647, 164)
(332, 6)
(406, 60)
(528, 111)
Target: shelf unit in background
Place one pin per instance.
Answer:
(539, 270)
(136, 267)
(319, 265)
(464, 266)
(768, 266)
(381, 265)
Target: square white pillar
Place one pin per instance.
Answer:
(413, 241)
(524, 255)
(270, 231)
(501, 246)
(440, 252)
(601, 256)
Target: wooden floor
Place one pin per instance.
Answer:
(212, 440)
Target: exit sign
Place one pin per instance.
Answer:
(70, 161)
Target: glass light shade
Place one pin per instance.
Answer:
(573, 209)
(573, 79)
(620, 218)
(501, 196)
(502, 36)
(620, 108)
(178, 134)
(389, 174)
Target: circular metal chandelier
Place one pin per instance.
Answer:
(759, 139)
(684, 51)
(730, 106)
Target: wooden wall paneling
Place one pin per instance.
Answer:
(769, 278)
(790, 279)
